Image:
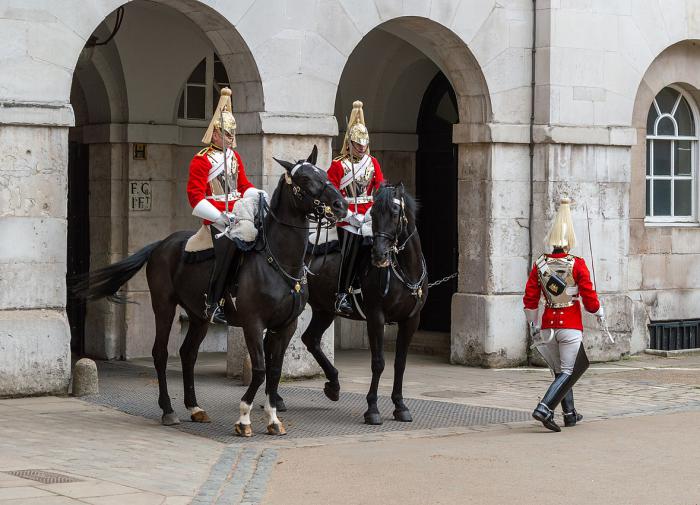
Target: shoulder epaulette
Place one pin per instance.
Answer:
(204, 151)
(339, 158)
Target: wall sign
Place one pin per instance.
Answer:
(139, 151)
(139, 195)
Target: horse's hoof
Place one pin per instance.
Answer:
(169, 419)
(200, 417)
(331, 391)
(373, 418)
(403, 416)
(276, 429)
(281, 407)
(243, 430)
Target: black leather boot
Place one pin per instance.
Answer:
(224, 255)
(351, 245)
(544, 412)
(571, 417)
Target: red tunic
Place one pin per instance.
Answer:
(566, 317)
(198, 187)
(336, 173)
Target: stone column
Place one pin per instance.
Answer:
(34, 331)
(488, 325)
(590, 165)
(291, 137)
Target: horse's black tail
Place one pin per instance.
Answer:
(106, 281)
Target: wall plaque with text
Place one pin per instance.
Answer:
(139, 195)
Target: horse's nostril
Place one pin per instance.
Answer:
(338, 205)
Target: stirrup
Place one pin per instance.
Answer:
(342, 303)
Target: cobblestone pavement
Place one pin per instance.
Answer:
(122, 459)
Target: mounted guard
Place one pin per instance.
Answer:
(221, 194)
(565, 283)
(357, 175)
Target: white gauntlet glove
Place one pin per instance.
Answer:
(533, 324)
(601, 317)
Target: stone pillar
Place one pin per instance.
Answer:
(592, 166)
(292, 137)
(34, 331)
(493, 180)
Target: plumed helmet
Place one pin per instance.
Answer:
(357, 131)
(222, 119)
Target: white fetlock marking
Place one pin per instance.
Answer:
(245, 413)
(194, 410)
(271, 412)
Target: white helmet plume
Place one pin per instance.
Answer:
(562, 234)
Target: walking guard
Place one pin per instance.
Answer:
(565, 282)
(221, 194)
(357, 175)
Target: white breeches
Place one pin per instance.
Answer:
(560, 348)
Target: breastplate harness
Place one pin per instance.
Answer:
(557, 279)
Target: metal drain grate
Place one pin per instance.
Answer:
(132, 389)
(43, 476)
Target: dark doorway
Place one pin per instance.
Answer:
(436, 189)
(78, 260)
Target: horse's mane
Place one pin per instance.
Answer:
(383, 201)
(277, 193)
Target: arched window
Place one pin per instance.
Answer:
(202, 87)
(671, 158)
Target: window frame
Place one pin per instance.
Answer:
(208, 86)
(692, 219)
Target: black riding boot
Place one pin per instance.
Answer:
(224, 256)
(351, 245)
(557, 391)
(571, 417)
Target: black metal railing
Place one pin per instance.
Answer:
(674, 335)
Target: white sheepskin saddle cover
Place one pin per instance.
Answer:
(243, 228)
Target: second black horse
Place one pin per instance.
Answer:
(394, 287)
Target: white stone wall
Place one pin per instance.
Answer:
(598, 64)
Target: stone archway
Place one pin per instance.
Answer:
(410, 52)
(125, 93)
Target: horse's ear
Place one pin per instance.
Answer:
(314, 154)
(401, 187)
(287, 166)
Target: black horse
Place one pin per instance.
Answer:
(394, 289)
(271, 290)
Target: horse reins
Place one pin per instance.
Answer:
(416, 288)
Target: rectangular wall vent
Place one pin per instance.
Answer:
(674, 335)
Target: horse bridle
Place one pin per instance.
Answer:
(321, 210)
(416, 288)
(400, 226)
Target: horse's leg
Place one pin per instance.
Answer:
(375, 330)
(279, 403)
(165, 312)
(407, 328)
(254, 342)
(188, 356)
(275, 345)
(320, 321)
